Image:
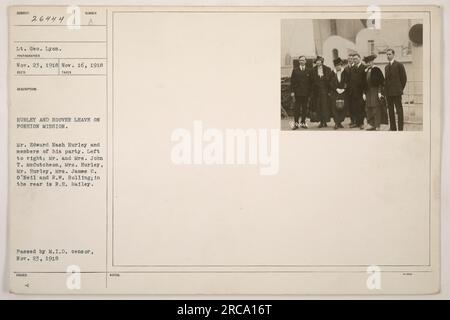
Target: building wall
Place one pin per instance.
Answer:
(296, 39)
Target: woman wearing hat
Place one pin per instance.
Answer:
(338, 85)
(320, 78)
(373, 93)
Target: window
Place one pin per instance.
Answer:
(335, 53)
(287, 60)
(371, 44)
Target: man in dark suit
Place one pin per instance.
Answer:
(356, 87)
(300, 91)
(395, 82)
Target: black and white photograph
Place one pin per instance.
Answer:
(145, 153)
(351, 74)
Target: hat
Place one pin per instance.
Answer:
(370, 58)
(337, 62)
(318, 58)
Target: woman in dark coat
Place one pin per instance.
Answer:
(338, 85)
(320, 78)
(373, 93)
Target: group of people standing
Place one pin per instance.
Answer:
(352, 88)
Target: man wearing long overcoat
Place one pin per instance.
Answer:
(300, 92)
(395, 82)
